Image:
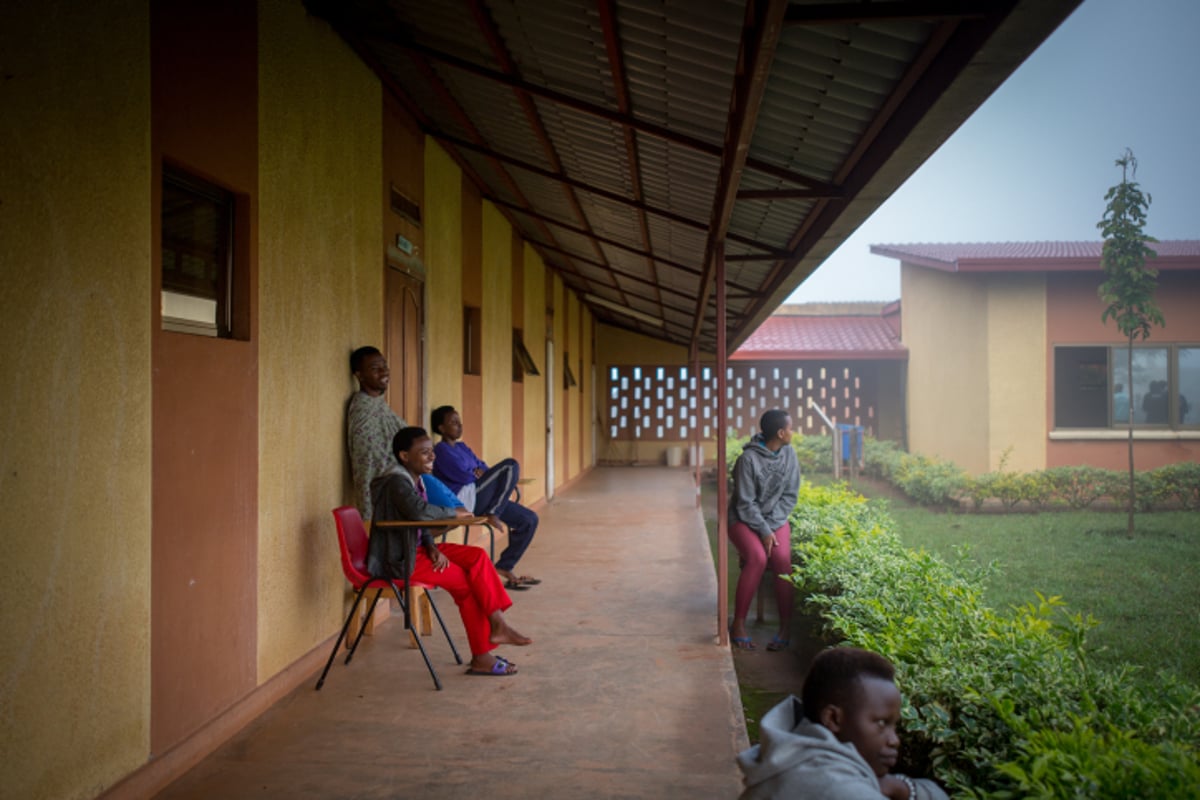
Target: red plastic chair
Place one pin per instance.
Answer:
(352, 538)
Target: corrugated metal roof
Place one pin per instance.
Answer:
(629, 141)
(822, 337)
(1001, 256)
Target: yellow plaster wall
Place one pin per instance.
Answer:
(442, 223)
(561, 423)
(575, 394)
(534, 465)
(946, 330)
(320, 295)
(1016, 322)
(75, 227)
(497, 335)
(620, 347)
(590, 391)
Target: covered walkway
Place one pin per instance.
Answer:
(624, 692)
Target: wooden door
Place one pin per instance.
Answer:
(404, 319)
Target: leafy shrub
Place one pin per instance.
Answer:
(978, 489)
(815, 453)
(992, 698)
(832, 508)
(1079, 487)
(1085, 762)
(1177, 483)
(930, 482)
(923, 480)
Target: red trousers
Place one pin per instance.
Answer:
(474, 584)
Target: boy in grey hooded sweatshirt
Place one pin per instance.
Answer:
(839, 743)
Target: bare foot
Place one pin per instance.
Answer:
(503, 633)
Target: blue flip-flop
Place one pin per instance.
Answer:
(742, 643)
(776, 644)
(501, 668)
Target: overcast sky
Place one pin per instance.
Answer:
(1034, 161)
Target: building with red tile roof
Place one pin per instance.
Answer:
(853, 338)
(1008, 359)
(845, 358)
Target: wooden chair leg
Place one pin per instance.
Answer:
(383, 610)
(424, 614)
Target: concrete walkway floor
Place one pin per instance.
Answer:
(624, 693)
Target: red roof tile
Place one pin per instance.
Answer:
(812, 338)
(1026, 256)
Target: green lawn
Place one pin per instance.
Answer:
(1144, 591)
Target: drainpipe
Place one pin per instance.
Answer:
(722, 473)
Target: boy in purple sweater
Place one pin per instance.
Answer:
(484, 490)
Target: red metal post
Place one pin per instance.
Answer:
(722, 482)
(697, 442)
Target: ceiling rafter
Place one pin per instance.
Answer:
(616, 69)
(760, 37)
(487, 26)
(770, 250)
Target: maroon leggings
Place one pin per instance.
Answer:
(755, 563)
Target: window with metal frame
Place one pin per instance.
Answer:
(197, 256)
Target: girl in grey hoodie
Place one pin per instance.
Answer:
(766, 483)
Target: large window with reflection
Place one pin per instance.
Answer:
(1094, 386)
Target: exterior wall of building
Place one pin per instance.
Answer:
(320, 156)
(205, 390)
(1074, 311)
(617, 347)
(1016, 352)
(75, 326)
(945, 328)
(575, 412)
(533, 464)
(562, 421)
(591, 391)
(78, 320)
(496, 423)
(442, 225)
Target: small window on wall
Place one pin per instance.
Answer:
(1081, 387)
(472, 341)
(523, 363)
(197, 256)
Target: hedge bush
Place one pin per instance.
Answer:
(997, 705)
(942, 484)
